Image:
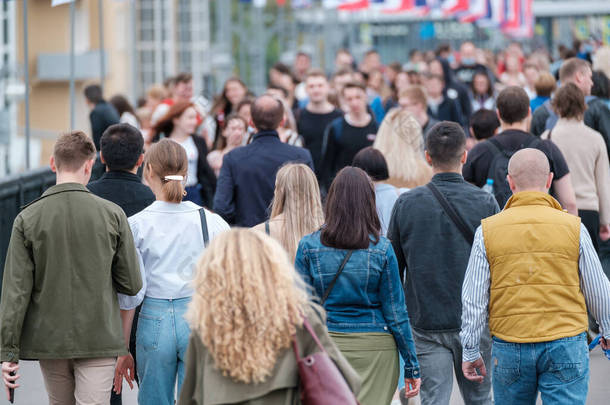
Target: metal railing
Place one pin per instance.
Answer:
(15, 192)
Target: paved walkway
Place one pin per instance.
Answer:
(32, 390)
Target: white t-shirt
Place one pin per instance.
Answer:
(193, 156)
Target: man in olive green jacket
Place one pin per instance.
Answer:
(70, 253)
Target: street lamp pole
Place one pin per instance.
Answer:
(72, 63)
(26, 66)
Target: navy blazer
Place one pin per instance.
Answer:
(246, 182)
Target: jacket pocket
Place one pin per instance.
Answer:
(506, 360)
(149, 330)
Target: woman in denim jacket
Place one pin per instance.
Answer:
(367, 314)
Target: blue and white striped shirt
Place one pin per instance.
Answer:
(475, 292)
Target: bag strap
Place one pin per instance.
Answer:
(267, 230)
(204, 227)
(295, 345)
(457, 220)
(334, 280)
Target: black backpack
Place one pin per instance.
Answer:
(498, 168)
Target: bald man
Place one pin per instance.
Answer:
(533, 272)
(246, 182)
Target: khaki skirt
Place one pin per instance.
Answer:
(375, 358)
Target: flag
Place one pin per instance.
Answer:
(519, 19)
(476, 10)
(495, 14)
(353, 5)
(60, 2)
(417, 7)
(451, 7)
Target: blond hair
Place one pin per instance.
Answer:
(168, 158)
(247, 305)
(400, 140)
(601, 60)
(297, 197)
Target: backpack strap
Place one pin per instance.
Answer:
(495, 146)
(464, 229)
(204, 228)
(267, 230)
(337, 129)
(334, 280)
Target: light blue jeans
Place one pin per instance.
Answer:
(559, 369)
(161, 341)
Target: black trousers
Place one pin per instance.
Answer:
(115, 399)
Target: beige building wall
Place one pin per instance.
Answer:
(49, 32)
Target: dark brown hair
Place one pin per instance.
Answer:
(165, 125)
(373, 163)
(513, 104)
(72, 150)
(445, 143)
(569, 102)
(350, 211)
(182, 78)
(353, 85)
(167, 158)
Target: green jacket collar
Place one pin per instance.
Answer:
(60, 188)
(526, 198)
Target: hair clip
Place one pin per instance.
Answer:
(174, 177)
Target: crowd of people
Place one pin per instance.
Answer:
(412, 221)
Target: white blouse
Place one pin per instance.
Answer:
(169, 242)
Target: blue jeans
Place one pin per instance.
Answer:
(161, 341)
(559, 369)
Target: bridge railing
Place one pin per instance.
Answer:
(15, 192)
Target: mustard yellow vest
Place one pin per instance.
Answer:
(533, 249)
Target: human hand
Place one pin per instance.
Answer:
(125, 367)
(605, 344)
(604, 232)
(412, 386)
(469, 368)
(8, 379)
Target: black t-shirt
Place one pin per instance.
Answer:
(480, 157)
(341, 148)
(311, 127)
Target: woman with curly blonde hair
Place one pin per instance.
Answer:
(400, 140)
(296, 209)
(248, 305)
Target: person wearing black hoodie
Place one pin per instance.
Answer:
(440, 106)
(453, 88)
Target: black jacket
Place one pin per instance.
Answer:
(124, 189)
(597, 117)
(448, 110)
(205, 174)
(101, 117)
(433, 252)
(247, 178)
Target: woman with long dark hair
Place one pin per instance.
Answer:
(125, 110)
(179, 125)
(353, 269)
(233, 91)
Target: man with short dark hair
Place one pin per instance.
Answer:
(102, 114)
(484, 124)
(70, 254)
(247, 178)
(531, 275)
(488, 160)
(345, 136)
(122, 152)
(433, 251)
(317, 114)
(597, 115)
